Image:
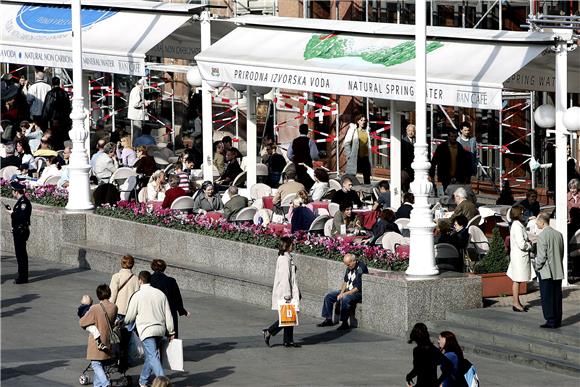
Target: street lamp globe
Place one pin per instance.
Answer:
(572, 119)
(545, 116)
(193, 76)
(216, 84)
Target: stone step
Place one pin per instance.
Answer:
(519, 324)
(511, 342)
(519, 357)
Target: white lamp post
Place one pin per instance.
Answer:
(206, 103)
(421, 259)
(79, 192)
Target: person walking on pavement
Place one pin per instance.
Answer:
(150, 311)
(169, 287)
(549, 256)
(20, 215)
(285, 290)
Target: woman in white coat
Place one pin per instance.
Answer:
(519, 269)
(285, 290)
(357, 147)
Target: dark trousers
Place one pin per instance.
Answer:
(274, 329)
(364, 167)
(551, 294)
(20, 237)
(346, 303)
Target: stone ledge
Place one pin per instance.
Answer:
(394, 303)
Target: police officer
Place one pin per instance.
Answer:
(20, 229)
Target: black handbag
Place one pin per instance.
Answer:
(114, 332)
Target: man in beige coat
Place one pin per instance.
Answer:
(101, 315)
(549, 257)
(290, 186)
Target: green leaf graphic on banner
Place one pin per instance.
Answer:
(332, 46)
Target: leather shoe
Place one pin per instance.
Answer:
(548, 326)
(325, 323)
(518, 310)
(19, 281)
(267, 336)
(292, 345)
(343, 327)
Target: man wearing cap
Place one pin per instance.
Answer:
(20, 229)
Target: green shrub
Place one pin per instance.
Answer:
(496, 260)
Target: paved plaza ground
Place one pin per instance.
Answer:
(42, 344)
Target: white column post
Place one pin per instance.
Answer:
(206, 108)
(79, 192)
(251, 138)
(395, 154)
(561, 142)
(421, 259)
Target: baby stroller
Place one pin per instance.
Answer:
(111, 368)
(114, 366)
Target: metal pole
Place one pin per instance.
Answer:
(113, 114)
(463, 14)
(532, 135)
(237, 115)
(500, 15)
(305, 9)
(251, 138)
(79, 192)
(173, 113)
(561, 151)
(274, 117)
(337, 130)
(499, 154)
(421, 258)
(206, 104)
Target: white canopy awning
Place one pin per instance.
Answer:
(115, 40)
(372, 63)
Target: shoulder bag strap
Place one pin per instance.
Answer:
(108, 320)
(125, 283)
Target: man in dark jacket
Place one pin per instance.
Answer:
(232, 170)
(169, 287)
(56, 113)
(453, 163)
(20, 215)
(235, 204)
(303, 150)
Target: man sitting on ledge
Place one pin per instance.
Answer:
(349, 294)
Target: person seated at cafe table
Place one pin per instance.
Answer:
(302, 216)
(173, 192)
(156, 187)
(464, 207)
(321, 185)
(345, 217)
(385, 223)
(347, 195)
(290, 186)
(530, 204)
(305, 201)
(384, 200)
(206, 200)
(404, 212)
(232, 169)
(235, 204)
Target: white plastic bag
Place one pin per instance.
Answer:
(172, 355)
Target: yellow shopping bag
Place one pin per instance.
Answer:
(287, 315)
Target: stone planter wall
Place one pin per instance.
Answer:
(392, 303)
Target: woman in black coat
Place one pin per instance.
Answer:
(169, 287)
(426, 358)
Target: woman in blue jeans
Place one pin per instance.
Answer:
(101, 315)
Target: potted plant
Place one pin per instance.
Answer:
(492, 269)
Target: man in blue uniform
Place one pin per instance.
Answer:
(20, 229)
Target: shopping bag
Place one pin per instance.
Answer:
(136, 351)
(172, 355)
(287, 315)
